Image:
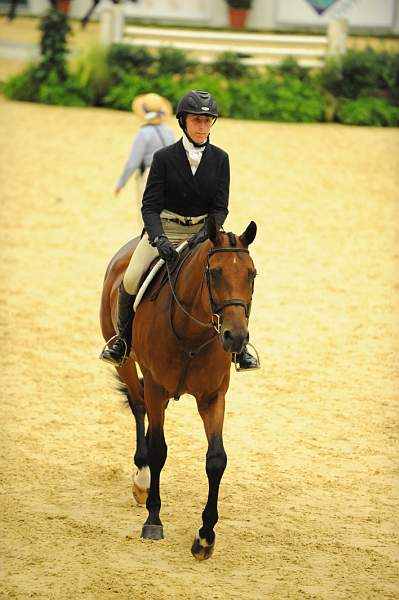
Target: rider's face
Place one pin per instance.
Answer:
(198, 127)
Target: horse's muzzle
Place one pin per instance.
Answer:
(234, 341)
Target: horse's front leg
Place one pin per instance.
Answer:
(155, 403)
(211, 410)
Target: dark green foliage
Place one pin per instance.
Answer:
(368, 111)
(276, 99)
(53, 45)
(129, 60)
(172, 61)
(24, 86)
(239, 3)
(229, 65)
(358, 74)
(290, 68)
(389, 75)
(121, 95)
(66, 92)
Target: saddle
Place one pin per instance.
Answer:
(154, 268)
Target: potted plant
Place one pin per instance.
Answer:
(63, 6)
(238, 11)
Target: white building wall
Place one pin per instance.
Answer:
(378, 15)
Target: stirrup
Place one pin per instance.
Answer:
(106, 346)
(237, 364)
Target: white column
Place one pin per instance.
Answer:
(118, 22)
(106, 24)
(337, 33)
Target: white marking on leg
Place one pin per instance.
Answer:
(143, 478)
(202, 541)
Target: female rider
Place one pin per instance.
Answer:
(188, 181)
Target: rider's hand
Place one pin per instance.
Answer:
(165, 249)
(198, 237)
(117, 190)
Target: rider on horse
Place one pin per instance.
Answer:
(188, 181)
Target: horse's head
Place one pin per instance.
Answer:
(230, 280)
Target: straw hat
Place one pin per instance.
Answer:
(151, 108)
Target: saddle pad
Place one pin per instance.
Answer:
(151, 276)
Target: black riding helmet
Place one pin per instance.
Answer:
(196, 102)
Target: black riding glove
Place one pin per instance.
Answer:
(198, 237)
(165, 249)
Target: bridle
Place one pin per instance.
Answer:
(216, 309)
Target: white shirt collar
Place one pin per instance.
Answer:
(189, 146)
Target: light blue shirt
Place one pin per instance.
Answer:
(149, 139)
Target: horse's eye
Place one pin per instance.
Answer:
(216, 274)
(251, 275)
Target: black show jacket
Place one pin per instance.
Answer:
(172, 186)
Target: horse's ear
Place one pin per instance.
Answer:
(213, 230)
(249, 234)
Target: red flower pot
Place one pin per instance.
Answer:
(238, 17)
(63, 6)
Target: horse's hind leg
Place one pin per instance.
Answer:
(155, 402)
(211, 410)
(135, 397)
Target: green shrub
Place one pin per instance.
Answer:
(229, 65)
(276, 99)
(389, 75)
(357, 74)
(65, 92)
(24, 86)
(173, 61)
(290, 68)
(121, 95)
(368, 111)
(94, 74)
(129, 60)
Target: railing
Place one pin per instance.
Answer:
(255, 49)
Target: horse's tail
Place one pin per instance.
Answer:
(124, 389)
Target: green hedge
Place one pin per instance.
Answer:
(368, 111)
(361, 88)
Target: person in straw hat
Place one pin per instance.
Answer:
(152, 110)
(188, 182)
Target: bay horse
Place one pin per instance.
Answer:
(185, 330)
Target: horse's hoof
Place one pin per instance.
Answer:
(152, 532)
(200, 549)
(141, 485)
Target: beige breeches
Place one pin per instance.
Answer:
(141, 182)
(145, 253)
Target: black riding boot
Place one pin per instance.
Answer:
(120, 350)
(246, 360)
